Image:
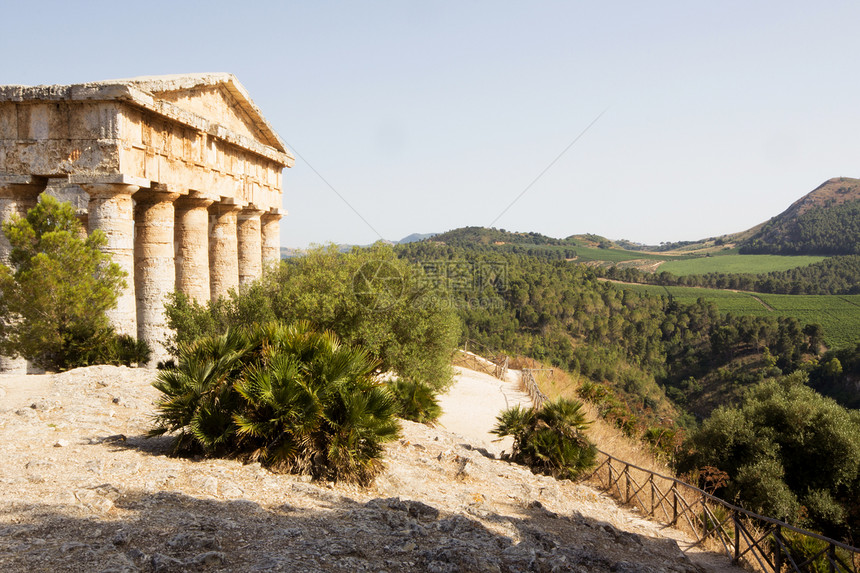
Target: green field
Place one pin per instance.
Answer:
(838, 315)
(587, 254)
(736, 264)
(615, 255)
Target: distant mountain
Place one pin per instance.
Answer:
(416, 237)
(824, 222)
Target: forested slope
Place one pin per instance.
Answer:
(824, 222)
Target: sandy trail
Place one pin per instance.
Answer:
(471, 405)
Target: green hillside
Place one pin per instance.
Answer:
(838, 315)
(824, 222)
(735, 263)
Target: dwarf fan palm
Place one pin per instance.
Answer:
(550, 440)
(291, 397)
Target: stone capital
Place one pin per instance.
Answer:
(156, 194)
(195, 200)
(105, 190)
(251, 211)
(223, 207)
(272, 215)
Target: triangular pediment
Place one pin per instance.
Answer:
(219, 98)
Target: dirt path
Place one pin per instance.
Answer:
(470, 408)
(760, 301)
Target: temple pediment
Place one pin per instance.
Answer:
(219, 98)
(190, 132)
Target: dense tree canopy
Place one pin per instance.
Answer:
(825, 230)
(368, 297)
(789, 453)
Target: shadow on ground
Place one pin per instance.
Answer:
(169, 531)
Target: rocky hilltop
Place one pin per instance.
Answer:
(83, 490)
(826, 221)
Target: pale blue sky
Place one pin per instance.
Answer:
(434, 115)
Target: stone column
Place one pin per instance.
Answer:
(154, 267)
(250, 245)
(223, 248)
(111, 211)
(271, 232)
(18, 194)
(192, 246)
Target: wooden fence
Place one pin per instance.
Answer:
(496, 366)
(531, 387)
(754, 541)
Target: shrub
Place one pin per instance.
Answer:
(415, 401)
(549, 440)
(293, 398)
(789, 453)
(56, 289)
(368, 297)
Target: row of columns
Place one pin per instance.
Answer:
(166, 241)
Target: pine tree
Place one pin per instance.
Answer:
(56, 288)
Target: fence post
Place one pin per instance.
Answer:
(609, 483)
(627, 480)
(735, 522)
(777, 558)
(831, 553)
(651, 481)
(674, 503)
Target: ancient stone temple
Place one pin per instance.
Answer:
(181, 173)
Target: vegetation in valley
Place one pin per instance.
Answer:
(729, 262)
(55, 291)
(788, 453)
(291, 397)
(838, 316)
(833, 275)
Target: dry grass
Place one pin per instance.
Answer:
(557, 383)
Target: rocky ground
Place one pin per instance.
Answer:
(81, 489)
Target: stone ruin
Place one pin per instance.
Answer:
(181, 173)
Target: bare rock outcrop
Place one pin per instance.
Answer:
(81, 489)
